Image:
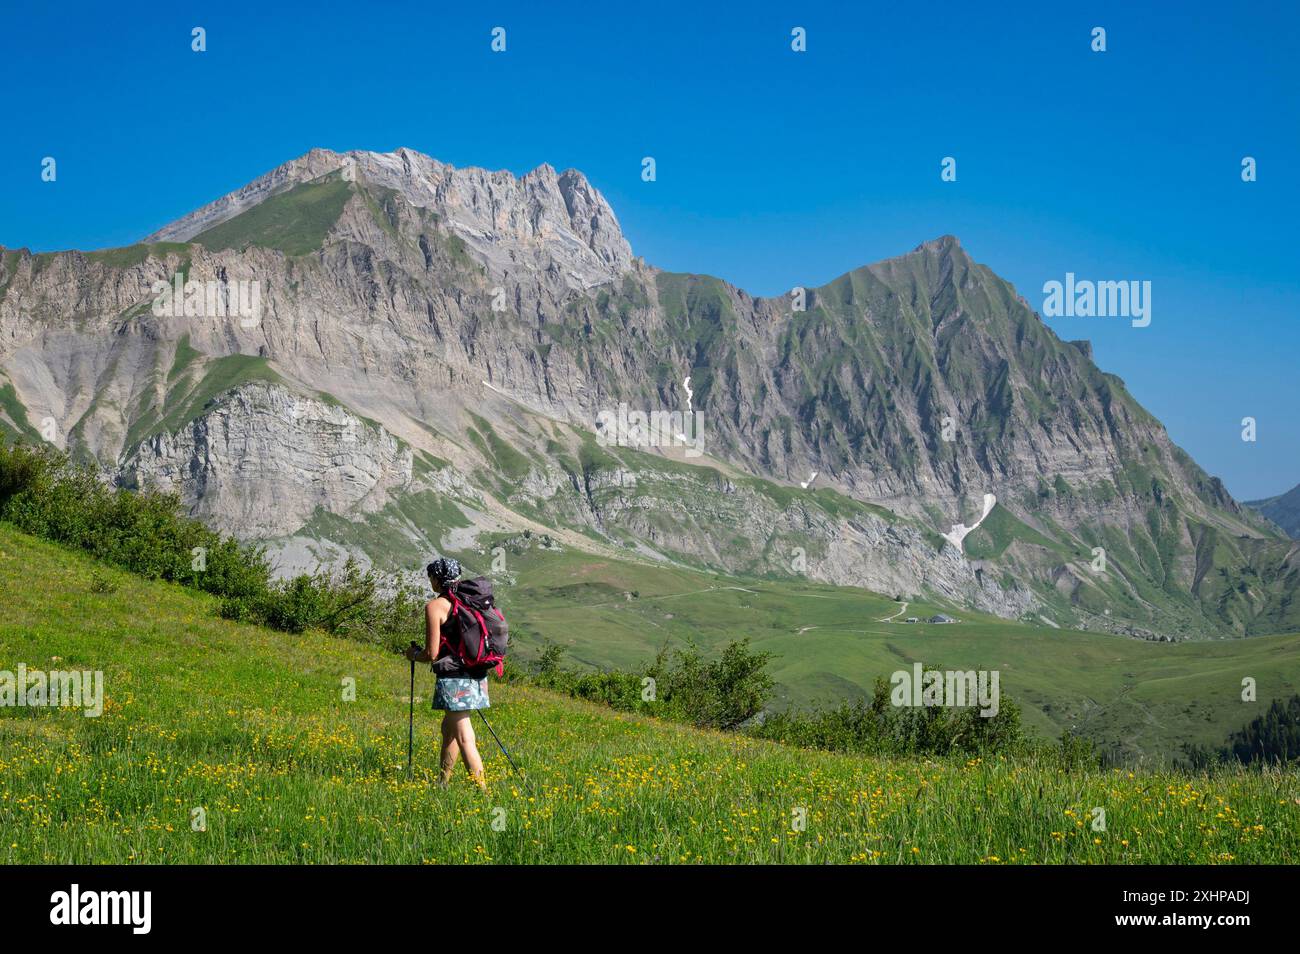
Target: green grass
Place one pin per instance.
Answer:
(131, 255)
(12, 409)
(294, 222)
(189, 395)
(510, 462)
(250, 725)
(384, 536)
(999, 530)
(1137, 699)
(185, 356)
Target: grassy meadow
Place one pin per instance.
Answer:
(1139, 700)
(250, 726)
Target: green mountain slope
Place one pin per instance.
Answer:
(250, 727)
(14, 424)
(294, 222)
(1283, 510)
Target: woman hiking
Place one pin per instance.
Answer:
(458, 692)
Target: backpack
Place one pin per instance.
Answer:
(476, 631)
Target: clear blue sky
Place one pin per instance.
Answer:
(774, 168)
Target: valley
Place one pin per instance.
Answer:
(1138, 700)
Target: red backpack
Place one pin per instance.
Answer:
(476, 630)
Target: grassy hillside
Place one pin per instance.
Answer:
(193, 384)
(295, 222)
(13, 416)
(1135, 698)
(250, 725)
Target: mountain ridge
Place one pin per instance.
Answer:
(1283, 510)
(470, 198)
(454, 310)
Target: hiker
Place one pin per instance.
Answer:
(461, 655)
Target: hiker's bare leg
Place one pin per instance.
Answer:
(450, 749)
(469, 746)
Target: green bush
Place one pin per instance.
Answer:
(1272, 738)
(618, 690)
(44, 494)
(348, 603)
(878, 727)
(1076, 752)
(722, 694)
(99, 583)
(730, 693)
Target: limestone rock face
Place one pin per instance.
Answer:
(435, 346)
(260, 462)
(682, 512)
(542, 220)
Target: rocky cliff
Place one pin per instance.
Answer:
(435, 350)
(260, 460)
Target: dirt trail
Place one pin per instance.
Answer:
(895, 616)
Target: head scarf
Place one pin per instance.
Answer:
(444, 571)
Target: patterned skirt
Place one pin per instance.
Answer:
(460, 694)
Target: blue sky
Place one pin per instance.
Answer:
(774, 168)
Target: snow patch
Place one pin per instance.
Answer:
(959, 531)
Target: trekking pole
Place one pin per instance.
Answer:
(498, 738)
(410, 722)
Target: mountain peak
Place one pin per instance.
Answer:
(946, 250)
(943, 245)
(540, 221)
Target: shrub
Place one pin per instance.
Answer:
(1076, 752)
(1272, 738)
(44, 494)
(721, 694)
(548, 664)
(348, 603)
(877, 727)
(730, 693)
(618, 690)
(99, 583)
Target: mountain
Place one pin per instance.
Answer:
(439, 356)
(1283, 510)
(541, 221)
